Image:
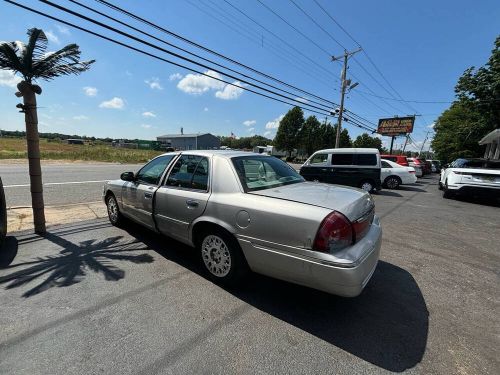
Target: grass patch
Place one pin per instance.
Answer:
(15, 148)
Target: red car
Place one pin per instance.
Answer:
(418, 162)
(400, 159)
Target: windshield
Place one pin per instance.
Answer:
(264, 172)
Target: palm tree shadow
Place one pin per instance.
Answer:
(74, 261)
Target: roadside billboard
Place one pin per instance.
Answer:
(395, 126)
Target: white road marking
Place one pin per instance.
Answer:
(57, 183)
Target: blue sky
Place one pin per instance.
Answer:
(420, 47)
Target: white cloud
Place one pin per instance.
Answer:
(52, 37)
(274, 124)
(80, 118)
(154, 83)
(250, 129)
(145, 126)
(205, 109)
(148, 114)
(128, 73)
(90, 91)
(197, 84)
(249, 122)
(63, 30)
(230, 92)
(431, 126)
(115, 103)
(267, 133)
(175, 77)
(8, 78)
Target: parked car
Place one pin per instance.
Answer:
(436, 166)
(394, 174)
(399, 159)
(357, 167)
(419, 162)
(470, 176)
(249, 211)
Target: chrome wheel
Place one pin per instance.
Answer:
(367, 186)
(112, 209)
(216, 255)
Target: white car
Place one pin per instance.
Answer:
(392, 174)
(470, 176)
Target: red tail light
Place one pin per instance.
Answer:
(362, 225)
(335, 233)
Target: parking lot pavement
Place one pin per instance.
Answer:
(91, 298)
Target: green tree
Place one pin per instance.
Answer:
(32, 62)
(364, 140)
(287, 136)
(475, 112)
(308, 136)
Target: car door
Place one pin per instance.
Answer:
(183, 196)
(137, 196)
(342, 170)
(385, 171)
(317, 169)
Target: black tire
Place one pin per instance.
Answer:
(217, 249)
(392, 182)
(440, 185)
(447, 194)
(367, 185)
(114, 215)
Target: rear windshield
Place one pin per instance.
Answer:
(264, 172)
(464, 163)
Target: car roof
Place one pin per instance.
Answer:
(222, 153)
(350, 150)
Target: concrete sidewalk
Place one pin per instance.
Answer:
(21, 218)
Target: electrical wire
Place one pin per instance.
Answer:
(152, 55)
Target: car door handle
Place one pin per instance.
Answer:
(192, 203)
(148, 195)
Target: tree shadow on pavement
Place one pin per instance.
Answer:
(387, 325)
(72, 263)
(388, 193)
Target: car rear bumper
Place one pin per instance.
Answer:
(346, 280)
(486, 189)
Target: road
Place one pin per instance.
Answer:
(64, 183)
(91, 298)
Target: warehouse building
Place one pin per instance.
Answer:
(201, 141)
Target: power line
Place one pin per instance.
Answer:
(177, 36)
(275, 47)
(184, 50)
(174, 54)
(152, 55)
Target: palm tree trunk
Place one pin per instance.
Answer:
(35, 170)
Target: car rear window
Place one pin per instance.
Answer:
(486, 164)
(342, 159)
(367, 159)
(264, 172)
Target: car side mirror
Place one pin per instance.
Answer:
(128, 176)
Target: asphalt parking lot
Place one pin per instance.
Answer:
(90, 298)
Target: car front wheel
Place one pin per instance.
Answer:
(222, 257)
(367, 186)
(114, 214)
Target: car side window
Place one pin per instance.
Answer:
(385, 164)
(342, 159)
(190, 172)
(319, 159)
(366, 159)
(151, 172)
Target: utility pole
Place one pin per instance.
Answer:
(343, 85)
(423, 143)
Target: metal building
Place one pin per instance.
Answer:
(201, 141)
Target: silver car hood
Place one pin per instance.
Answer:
(351, 202)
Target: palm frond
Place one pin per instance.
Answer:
(36, 47)
(9, 58)
(62, 62)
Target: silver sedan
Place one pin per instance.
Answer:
(246, 211)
